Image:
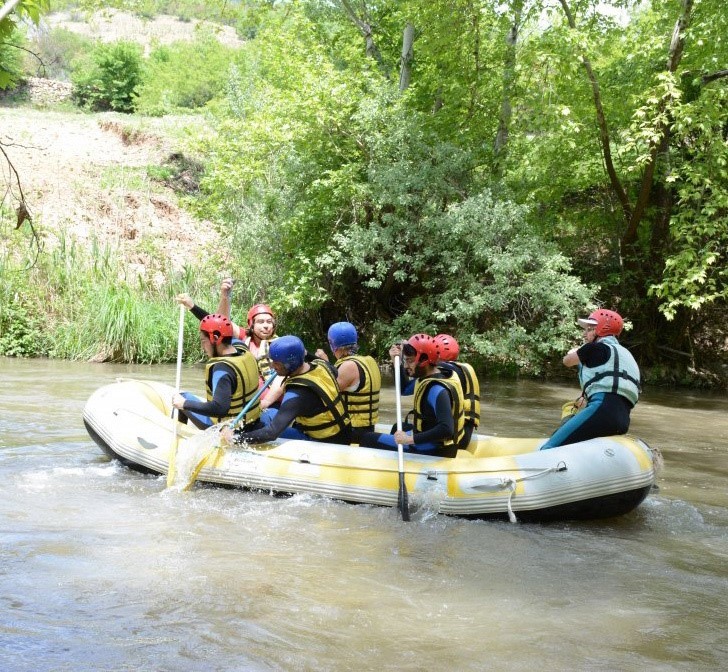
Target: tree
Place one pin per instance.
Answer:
(11, 12)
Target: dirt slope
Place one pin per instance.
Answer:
(86, 175)
(109, 25)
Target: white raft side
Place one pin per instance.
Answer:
(132, 417)
(573, 473)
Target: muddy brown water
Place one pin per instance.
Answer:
(103, 569)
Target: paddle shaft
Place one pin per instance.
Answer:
(177, 383)
(255, 398)
(402, 495)
(218, 450)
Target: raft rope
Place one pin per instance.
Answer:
(304, 459)
(510, 483)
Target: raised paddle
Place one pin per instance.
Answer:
(175, 412)
(217, 449)
(402, 500)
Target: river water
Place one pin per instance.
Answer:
(102, 568)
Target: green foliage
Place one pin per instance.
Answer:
(11, 59)
(353, 204)
(491, 280)
(19, 329)
(184, 75)
(83, 304)
(108, 78)
(344, 198)
(696, 270)
(11, 39)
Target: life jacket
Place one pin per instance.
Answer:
(261, 354)
(245, 369)
(363, 403)
(334, 418)
(471, 390)
(424, 417)
(619, 374)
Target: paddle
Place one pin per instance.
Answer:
(402, 501)
(175, 412)
(217, 449)
(255, 398)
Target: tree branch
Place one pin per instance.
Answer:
(8, 7)
(677, 44)
(366, 30)
(604, 137)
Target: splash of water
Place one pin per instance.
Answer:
(194, 454)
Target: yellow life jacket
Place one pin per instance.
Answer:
(425, 419)
(245, 369)
(334, 418)
(363, 403)
(471, 390)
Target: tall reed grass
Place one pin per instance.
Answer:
(84, 303)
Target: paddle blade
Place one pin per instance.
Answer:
(403, 500)
(172, 469)
(210, 458)
(195, 453)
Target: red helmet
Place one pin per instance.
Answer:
(447, 347)
(259, 309)
(424, 347)
(216, 327)
(605, 322)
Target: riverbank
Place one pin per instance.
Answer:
(112, 197)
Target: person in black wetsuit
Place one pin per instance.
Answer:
(257, 337)
(358, 377)
(448, 351)
(609, 378)
(231, 379)
(438, 417)
(312, 407)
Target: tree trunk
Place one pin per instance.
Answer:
(509, 76)
(366, 30)
(405, 62)
(677, 45)
(604, 137)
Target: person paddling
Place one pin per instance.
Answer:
(439, 419)
(256, 336)
(448, 351)
(231, 379)
(312, 407)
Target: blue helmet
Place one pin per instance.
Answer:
(342, 334)
(288, 351)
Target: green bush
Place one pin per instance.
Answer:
(19, 330)
(108, 77)
(11, 59)
(184, 75)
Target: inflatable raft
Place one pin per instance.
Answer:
(495, 478)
